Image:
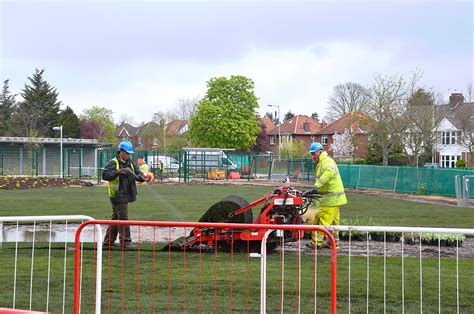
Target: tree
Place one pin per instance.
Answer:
(315, 116)
(421, 119)
(387, 102)
(469, 93)
(226, 116)
(345, 98)
(126, 118)
(39, 111)
(343, 144)
(7, 106)
(70, 122)
(289, 115)
(295, 149)
(465, 118)
(261, 140)
(187, 107)
(162, 118)
(104, 118)
(91, 129)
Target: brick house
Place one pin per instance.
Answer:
(147, 136)
(357, 123)
(300, 127)
(263, 143)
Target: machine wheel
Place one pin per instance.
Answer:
(219, 211)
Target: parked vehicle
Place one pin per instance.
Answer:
(209, 159)
(170, 164)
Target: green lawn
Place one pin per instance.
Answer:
(231, 272)
(187, 203)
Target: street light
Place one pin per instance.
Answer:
(60, 128)
(279, 123)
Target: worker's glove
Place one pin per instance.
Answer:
(126, 171)
(310, 192)
(141, 178)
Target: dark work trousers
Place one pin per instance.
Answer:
(120, 212)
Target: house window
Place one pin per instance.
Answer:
(286, 138)
(139, 141)
(272, 140)
(313, 138)
(306, 127)
(155, 142)
(448, 138)
(449, 161)
(324, 140)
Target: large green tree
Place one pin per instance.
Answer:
(102, 117)
(70, 122)
(7, 105)
(38, 113)
(226, 116)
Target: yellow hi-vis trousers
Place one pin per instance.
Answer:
(325, 216)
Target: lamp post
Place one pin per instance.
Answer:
(279, 123)
(60, 129)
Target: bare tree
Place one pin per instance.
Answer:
(126, 118)
(421, 119)
(186, 107)
(345, 98)
(387, 101)
(469, 93)
(465, 118)
(162, 118)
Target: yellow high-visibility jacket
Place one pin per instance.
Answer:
(329, 183)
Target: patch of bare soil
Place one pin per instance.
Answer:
(432, 199)
(375, 248)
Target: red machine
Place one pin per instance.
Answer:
(282, 207)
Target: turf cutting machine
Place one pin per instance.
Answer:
(284, 206)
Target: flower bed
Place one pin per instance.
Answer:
(10, 183)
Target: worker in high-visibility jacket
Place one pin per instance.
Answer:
(145, 169)
(328, 184)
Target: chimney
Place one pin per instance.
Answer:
(323, 124)
(455, 99)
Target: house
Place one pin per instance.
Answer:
(127, 132)
(358, 125)
(455, 132)
(148, 135)
(263, 144)
(300, 127)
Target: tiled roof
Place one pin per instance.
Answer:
(267, 122)
(453, 112)
(357, 122)
(128, 129)
(175, 126)
(148, 128)
(299, 124)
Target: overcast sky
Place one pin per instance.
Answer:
(137, 58)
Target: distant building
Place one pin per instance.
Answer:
(300, 127)
(358, 125)
(455, 132)
(148, 136)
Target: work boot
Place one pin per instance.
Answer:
(128, 246)
(313, 246)
(111, 246)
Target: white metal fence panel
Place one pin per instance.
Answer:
(39, 246)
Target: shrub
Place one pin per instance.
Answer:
(460, 163)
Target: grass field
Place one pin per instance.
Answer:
(187, 203)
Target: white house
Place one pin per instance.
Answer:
(455, 132)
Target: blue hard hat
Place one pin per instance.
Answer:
(126, 146)
(316, 146)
